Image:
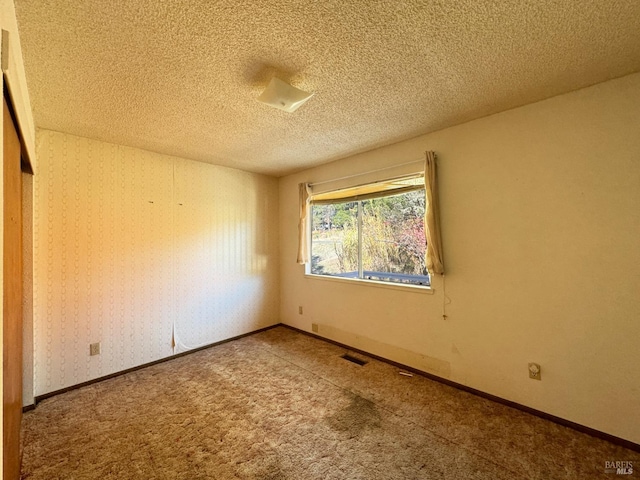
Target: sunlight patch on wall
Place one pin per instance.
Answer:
(130, 244)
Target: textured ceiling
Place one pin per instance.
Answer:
(182, 77)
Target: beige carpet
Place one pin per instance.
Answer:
(282, 405)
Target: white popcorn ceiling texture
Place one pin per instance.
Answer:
(182, 78)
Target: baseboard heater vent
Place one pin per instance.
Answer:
(355, 360)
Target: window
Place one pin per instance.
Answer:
(371, 232)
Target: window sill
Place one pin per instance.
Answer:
(373, 283)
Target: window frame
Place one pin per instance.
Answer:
(361, 280)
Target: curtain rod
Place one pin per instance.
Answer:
(365, 173)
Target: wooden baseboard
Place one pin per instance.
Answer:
(538, 413)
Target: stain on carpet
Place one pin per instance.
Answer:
(359, 415)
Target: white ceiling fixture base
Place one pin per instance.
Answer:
(283, 96)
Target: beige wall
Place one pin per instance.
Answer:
(541, 229)
(139, 251)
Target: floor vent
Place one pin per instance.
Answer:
(346, 356)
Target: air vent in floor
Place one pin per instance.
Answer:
(355, 360)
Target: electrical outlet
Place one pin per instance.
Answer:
(94, 349)
(300, 310)
(314, 327)
(535, 372)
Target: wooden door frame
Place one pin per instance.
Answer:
(11, 462)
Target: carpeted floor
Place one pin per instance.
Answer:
(282, 405)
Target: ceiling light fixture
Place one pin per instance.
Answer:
(279, 94)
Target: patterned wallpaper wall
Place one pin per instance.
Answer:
(148, 254)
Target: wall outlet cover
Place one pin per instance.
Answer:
(535, 372)
(94, 349)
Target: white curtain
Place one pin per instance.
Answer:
(432, 217)
(303, 225)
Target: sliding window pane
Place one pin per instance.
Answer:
(393, 239)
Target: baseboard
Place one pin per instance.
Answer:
(39, 398)
(538, 413)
